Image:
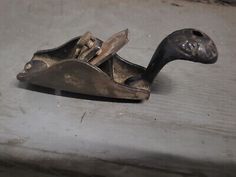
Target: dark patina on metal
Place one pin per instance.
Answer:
(87, 65)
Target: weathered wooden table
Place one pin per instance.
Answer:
(187, 128)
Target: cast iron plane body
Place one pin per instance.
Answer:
(87, 65)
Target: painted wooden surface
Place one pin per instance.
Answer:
(186, 128)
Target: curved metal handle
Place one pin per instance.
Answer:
(186, 44)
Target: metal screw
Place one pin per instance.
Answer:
(28, 66)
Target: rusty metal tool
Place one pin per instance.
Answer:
(90, 66)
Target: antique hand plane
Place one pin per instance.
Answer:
(90, 66)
